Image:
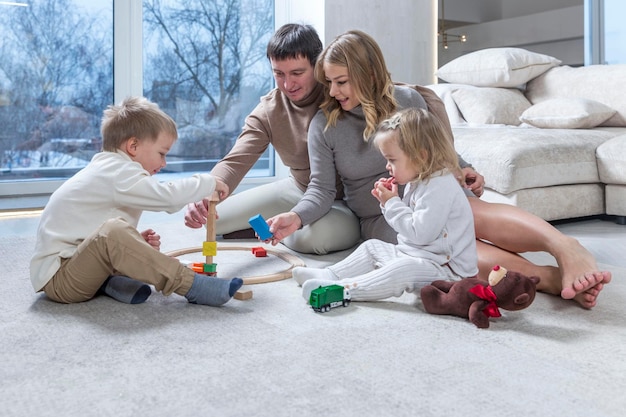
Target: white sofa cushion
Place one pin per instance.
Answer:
(554, 202)
(603, 83)
(612, 160)
(444, 91)
(515, 158)
(496, 67)
(615, 199)
(486, 105)
(567, 113)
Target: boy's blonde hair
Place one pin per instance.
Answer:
(423, 138)
(369, 78)
(134, 117)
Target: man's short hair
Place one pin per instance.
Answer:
(294, 41)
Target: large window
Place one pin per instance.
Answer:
(205, 64)
(614, 32)
(56, 77)
(202, 61)
(605, 33)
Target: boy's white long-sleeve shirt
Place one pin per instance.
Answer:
(111, 185)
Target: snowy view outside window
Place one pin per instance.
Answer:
(203, 62)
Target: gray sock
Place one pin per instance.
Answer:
(212, 291)
(125, 289)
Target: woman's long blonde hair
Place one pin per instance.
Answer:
(368, 74)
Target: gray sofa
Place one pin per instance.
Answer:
(554, 145)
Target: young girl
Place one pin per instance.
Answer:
(433, 220)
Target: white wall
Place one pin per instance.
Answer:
(474, 11)
(404, 29)
(300, 11)
(517, 8)
(559, 33)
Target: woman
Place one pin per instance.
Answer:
(359, 94)
(433, 220)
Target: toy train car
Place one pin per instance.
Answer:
(322, 299)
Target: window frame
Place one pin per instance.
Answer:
(128, 80)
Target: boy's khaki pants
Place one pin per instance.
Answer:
(116, 248)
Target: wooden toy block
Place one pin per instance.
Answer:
(259, 252)
(209, 248)
(204, 268)
(243, 294)
(210, 225)
(261, 227)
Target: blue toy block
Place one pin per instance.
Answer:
(260, 226)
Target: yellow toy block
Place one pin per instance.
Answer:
(209, 248)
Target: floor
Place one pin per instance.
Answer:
(271, 355)
(603, 237)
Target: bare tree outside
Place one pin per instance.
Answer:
(55, 77)
(205, 64)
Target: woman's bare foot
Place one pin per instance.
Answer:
(587, 299)
(580, 273)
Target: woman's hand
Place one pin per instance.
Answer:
(473, 181)
(283, 225)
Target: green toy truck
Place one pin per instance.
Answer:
(322, 299)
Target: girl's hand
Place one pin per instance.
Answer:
(384, 189)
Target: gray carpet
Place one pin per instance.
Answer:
(273, 356)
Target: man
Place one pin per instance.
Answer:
(282, 119)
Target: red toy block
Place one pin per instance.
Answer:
(259, 252)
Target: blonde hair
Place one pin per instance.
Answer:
(134, 117)
(368, 74)
(422, 136)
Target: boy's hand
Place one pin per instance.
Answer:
(152, 238)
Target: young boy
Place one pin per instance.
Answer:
(87, 241)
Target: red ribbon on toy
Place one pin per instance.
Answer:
(487, 294)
